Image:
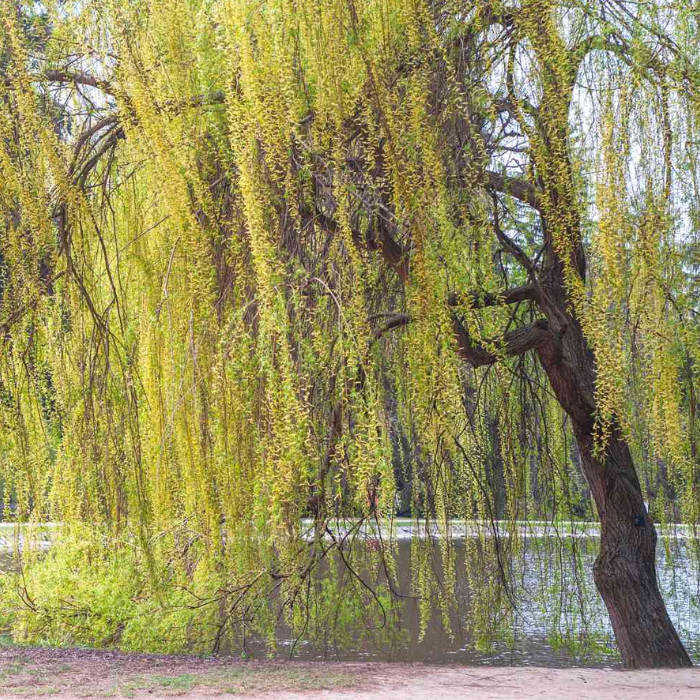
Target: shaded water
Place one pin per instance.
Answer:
(553, 599)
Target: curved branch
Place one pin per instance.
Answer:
(516, 342)
(515, 187)
(395, 321)
(510, 246)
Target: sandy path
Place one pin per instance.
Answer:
(460, 683)
(76, 673)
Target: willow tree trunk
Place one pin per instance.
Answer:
(625, 569)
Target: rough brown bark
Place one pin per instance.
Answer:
(625, 569)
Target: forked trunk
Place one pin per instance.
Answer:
(625, 569)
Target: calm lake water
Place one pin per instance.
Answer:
(549, 596)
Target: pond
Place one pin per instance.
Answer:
(552, 597)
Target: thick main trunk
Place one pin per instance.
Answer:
(625, 569)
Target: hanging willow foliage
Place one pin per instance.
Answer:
(273, 272)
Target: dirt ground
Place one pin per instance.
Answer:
(80, 673)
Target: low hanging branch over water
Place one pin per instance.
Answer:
(264, 263)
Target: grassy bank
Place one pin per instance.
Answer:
(86, 673)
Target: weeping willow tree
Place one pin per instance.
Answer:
(262, 261)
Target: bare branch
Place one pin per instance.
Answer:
(516, 342)
(515, 187)
(641, 58)
(59, 76)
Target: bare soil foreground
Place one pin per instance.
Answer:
(79, 673)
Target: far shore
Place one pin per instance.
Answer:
(398, 528)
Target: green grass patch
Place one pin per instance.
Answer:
(238, 680)
(13, 669)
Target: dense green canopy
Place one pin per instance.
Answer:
(270, 260)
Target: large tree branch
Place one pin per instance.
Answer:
(510, 246)
(515, 187)
(478, 300)
(116, 132)
(618, 48)
(474, 300)
(516, 342)
(78, 78)
(394, 255)
(218, 97)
